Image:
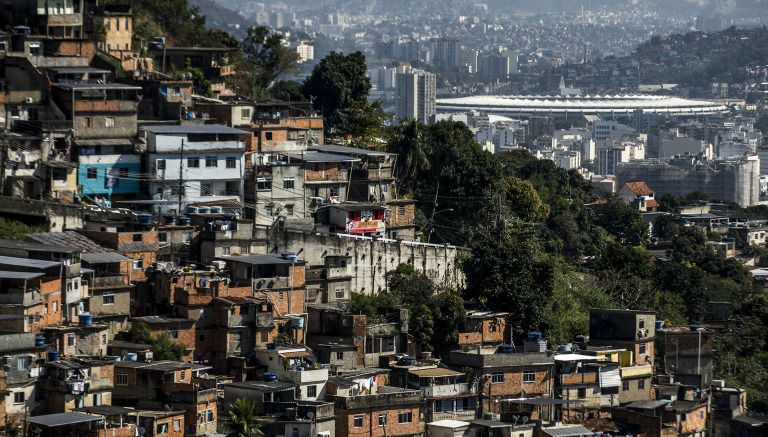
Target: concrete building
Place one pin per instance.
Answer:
(736, 180)
(416, 92)
(204, 161)
(305, 51)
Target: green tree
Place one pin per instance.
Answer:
(509, 272)
(621, 221)
(689, 245)
(666, 227)
(670, 307)
(338, 86)
(449, 315)
(16, 230)
(421, 325)
(408, 286)
(567, 313)
(283, 339)
(287, 91)
(268, 56)
(242, 419)
(163, 346)
(410, 141)
(523, 200)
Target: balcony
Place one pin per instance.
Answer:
(447, 390)
(236, 321)
(73, 19)
(182, 392)
(373, 174)
(467, 415)
(19, 297)
(315, 176)
(636, 371)
(108, 282)
(105, 106)
(268, 283)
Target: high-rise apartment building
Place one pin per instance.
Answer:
(416, 93)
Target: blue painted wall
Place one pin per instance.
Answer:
(125, 178)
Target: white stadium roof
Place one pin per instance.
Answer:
(580, 105)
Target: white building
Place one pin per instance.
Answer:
(305, 51)
(206, 161)
(611, 130)
(416, 95)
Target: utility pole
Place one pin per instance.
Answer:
(434, 210)
(181, 176)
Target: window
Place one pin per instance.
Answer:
(22, 363)
(117, 24)
(497, 378)
(211, 161)
(70, 340)
(357, 421)
(625, 385)
(295, 432)
(280, 295)
(641, 349)
(405, 417)
(288, 183)
(382, 420)
(210, 416)
(206, 189)
(108, 298)
(55, 307)
(174, 333)
(642, 323)
(176, 425)
(19, 397)
(186, 237)
(127, 23)
(245, 113)
(121, 378)
(160, 164)
(225, 251)
(162, 237)
(339, 355)
(289, 209)
(96, 399)
(231, 162)
(263, 184)
(138, 264)
(109, 122)
(162, 428)
(137, 238)
(582, 393)
(92, 173)
(88, 122)
(312, 391)
(201, 337)
(104, 339)
(193, 162)
(340, 293)
(401, 211)
(529, 376)
(640, 384)
(268, 136)
(182, 375)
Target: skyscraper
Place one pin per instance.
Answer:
(416, 93)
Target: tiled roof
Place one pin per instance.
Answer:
(639, 188)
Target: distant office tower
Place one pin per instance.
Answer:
(468, 60)
(416, 92)
(710, 23)
(305, 51)
(446, 53)
(497, 66)
(736, 180)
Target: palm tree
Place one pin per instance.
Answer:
(242, 420)
(411, 144)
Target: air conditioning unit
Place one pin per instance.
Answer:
(28, 100)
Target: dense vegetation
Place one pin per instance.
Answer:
(546, 248)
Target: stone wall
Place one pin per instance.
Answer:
(368, 259)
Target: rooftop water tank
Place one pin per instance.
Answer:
(168, 219)
(86, 319)
(131, 356)
(192, 210)
(53, 355)
(269, 377)
(184, 221)
(505, 349)
(145, 219)
(39, 341)
(203, 210)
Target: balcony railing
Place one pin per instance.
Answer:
(436, 391)
(466, 415)
(108, 281)
(274, 282)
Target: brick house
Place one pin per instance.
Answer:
(77, 383)
(389, 412)
(30, 294)
(484, 328)
(505, 376)
(182, 331)
(626, 329)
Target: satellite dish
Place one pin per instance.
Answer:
(310, 415)
(140, 431)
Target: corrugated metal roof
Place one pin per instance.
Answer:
(568, 431)
(63, 419)
(36, 247)
(24, 262)
(434, 372)
(322, 157)
(194, 129)
(103, 257)
(258, 259)
(20, 275)
(88, 247)
(335, 148)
